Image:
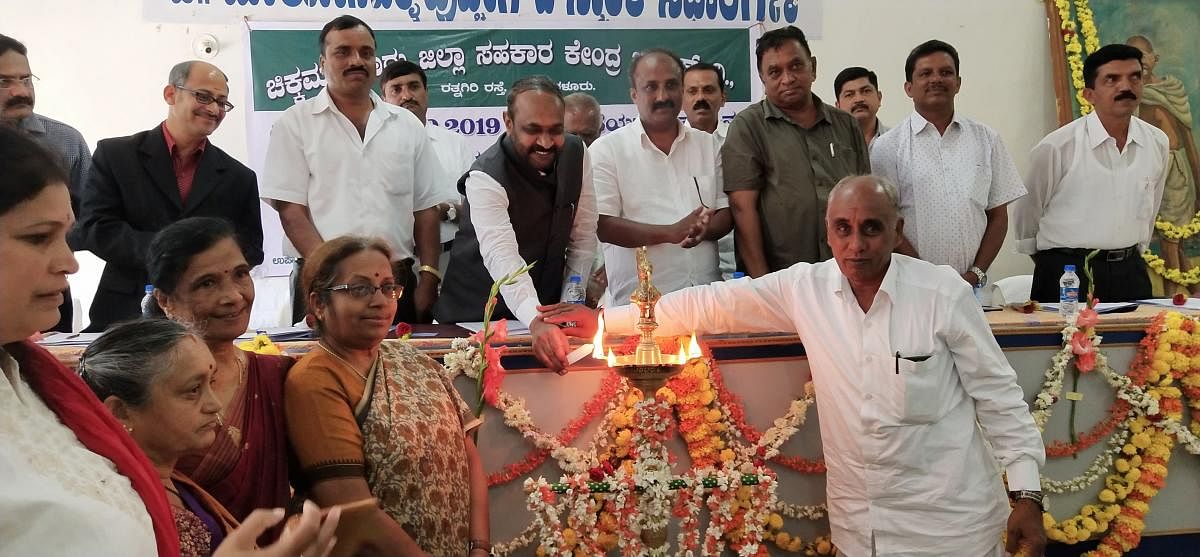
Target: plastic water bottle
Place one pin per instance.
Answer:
(576, 293)
(1068, 293)
(148, 302)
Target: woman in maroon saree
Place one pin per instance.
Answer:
(200, 277)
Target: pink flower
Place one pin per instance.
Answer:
(493, 374)
(499, 331)
(1084, 350)
(1087, 318)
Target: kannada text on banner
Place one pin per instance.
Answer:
(473, 68)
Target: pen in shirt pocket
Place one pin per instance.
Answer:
(832, 153)
(920, 358)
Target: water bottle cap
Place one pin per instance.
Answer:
(575, 278)
(1068, 268)
(738, 274)
(149, 288)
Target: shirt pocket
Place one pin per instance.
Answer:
(1143, 192)
(396, 176)
(981, 185)
(922, 383)
(703, 190)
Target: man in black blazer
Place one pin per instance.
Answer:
(141, 183)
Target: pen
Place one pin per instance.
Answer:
(897, 362)
(831, 153)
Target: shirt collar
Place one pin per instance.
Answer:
(33, 124)
(323, 102)
(888, 286)
(644, 139)
(171, 141)
(918, 123)
(771, 111)
(1097, 135)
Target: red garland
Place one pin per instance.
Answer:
(733, 406)
(1116, 415)
(535, 458)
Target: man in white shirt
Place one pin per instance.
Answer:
(1096, 183)
(405, 84)
(955, 175)
(703, 99)
(529, 198)
(345, 162)
(857, 92)
(912, 388)
(658, 184)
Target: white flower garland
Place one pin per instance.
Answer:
(1099, 467)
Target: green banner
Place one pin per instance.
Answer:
(473, 68)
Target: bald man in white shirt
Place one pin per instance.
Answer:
(919, 407)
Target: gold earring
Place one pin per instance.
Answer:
(128, 429)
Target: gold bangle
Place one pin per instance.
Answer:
(431, 270)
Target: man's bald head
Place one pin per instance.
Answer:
(583, 117)
(863, 226)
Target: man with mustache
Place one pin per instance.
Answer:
(16, 109)
(405, 84)
(955, 176)
(857, 91)
(529, 199)
(1096, 183)
(782, 157)
(139, 184)
(346, 162)
(703, 99)
(658, 184)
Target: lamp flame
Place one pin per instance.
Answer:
(694, 348)
(598, 340)
(612, 359)
(682, 356)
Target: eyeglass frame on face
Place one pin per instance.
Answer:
(365, 290)
(7, 82)
(200, 97)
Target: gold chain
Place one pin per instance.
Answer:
(331, 352)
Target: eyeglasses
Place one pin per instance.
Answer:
(207, 99)
(364, 291)
(7, 83)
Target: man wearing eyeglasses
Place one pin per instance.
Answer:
(16, 109)
(658, 184)
(141, 183)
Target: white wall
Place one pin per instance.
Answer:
(102, 68)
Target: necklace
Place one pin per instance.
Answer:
(333, 353)
(234, 432)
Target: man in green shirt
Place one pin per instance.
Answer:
(783, 156)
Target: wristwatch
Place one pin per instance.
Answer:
(451, 214)
(1035, 496)
(981, 274)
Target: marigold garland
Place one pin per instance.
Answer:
(1170, 352)
(1182, 278)
(1178, 232)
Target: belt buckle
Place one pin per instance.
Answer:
(1117, 255)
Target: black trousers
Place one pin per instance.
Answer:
(406, 310)
(1121, 275)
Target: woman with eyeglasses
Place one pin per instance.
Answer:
(202, 278)
(374, 418)
(75, 482)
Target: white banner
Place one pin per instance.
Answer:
(805, 14)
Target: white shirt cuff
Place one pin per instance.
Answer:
(620, 320)
(1023, 475)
